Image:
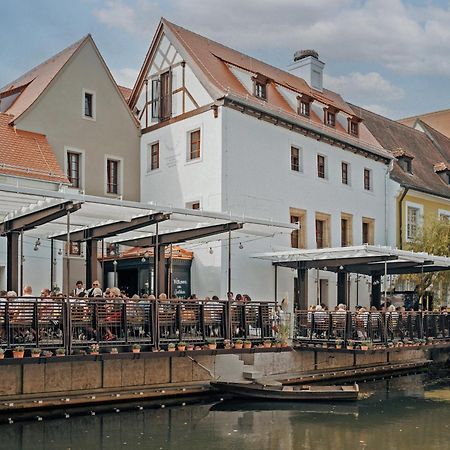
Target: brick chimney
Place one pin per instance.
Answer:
(307, 65)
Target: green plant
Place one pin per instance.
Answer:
(211, 340)
(284, 331)
(2, 351)
(181, 344)
(247, 342)
(36, 351)
(136, 347)
(171, 345)
(60, 351)
(19, 348)
(239, 341)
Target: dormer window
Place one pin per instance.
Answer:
(404, 159)
(443, 170)
(162, 96)
(260, 86)
(304, 105)
(353, 126)
(329, 116)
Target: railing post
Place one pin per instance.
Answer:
(226, 320)
(7, 325)
(36, 322)
(202, 320)
(179, 323)
(155, 331)
(125, 321)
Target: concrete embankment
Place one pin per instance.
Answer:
(74, 381)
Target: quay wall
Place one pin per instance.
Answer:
(29, 380)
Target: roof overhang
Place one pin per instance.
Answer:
(363, 259)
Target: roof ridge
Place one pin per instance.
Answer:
(11, 84)
(418, 116)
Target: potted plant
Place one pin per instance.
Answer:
(429, 340)
(181, 346)
(35, 352)
(2, 353)
(60, 352)
(267, 344)
(227, 343)
(171, 347)
(114, 351)
(94, 349)
(47, 353)
(338, 342)
(350, 344)
(365, 345)
(247, 344)
(284, 333)
(18, 351)
(212, 344)
(238, 344)
(190, 347)
(136, 348)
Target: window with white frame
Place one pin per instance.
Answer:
(296, 164)
(321, 166)
(444, 214)
(74, 168)
(368, 180)
(154, 156)
(413, 220)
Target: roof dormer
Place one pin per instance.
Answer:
(404, 159)
(329, 115)
(443, 170)
(260, 82)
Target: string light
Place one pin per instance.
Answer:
(241, 246)
(211, 251)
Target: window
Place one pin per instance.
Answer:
(295, 159)
(304, 108)
(413, 222)
(195, 205)
(162, 96)
(321, 166)
(322, 230)
(260, 90)
(298, 237)
(367, 179)
(444, 215)
(154, 156)
(112, 173)
(74, 248)
(346, 229)
(194, 145)
(344, 173)
(73, 169)
(353, 127)
(88, 107)
(405, 163)
(330, 118)
(368, 231)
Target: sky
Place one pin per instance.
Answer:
(390, 56)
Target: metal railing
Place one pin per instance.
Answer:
(77, 323)
(374, 327)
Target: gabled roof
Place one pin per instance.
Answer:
(439, 120)
(212, 61)
(417, 144)
(126, 92)
(35, 81)
(27, 154)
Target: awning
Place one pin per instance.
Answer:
(363, 259)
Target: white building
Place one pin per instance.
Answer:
(222, 131)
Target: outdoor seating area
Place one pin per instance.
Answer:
(364, 330)
(67, 325)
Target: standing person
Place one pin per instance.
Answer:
(95, 287)
(79, 289)
(27, 291)
(230, 296)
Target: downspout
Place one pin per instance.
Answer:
(386, 202)
(400, 220)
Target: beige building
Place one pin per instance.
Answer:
(74, 101)
(88, 140)
(439, 120)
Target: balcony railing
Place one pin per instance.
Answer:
(74, 324)
(373, 327)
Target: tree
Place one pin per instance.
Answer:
(433, 238)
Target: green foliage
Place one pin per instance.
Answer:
(433, 238)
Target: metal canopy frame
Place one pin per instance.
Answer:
(374, 261)
(177, 237)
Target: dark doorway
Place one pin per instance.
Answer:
(128, 281)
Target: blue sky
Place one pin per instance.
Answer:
(391, 56)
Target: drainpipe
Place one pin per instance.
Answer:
(400, 221)
(386, 201)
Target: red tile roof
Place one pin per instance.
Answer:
(35, 81)
(27, 154)
(126, 92)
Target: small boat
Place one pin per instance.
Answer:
(270, 390)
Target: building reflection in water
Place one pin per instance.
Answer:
(399, 415)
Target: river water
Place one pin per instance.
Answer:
(410, 412)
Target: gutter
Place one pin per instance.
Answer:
(400, 220)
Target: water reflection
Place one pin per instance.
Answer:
(401, 414)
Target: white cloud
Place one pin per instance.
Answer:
(404, 38)
(364, 88)
(125, 77)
